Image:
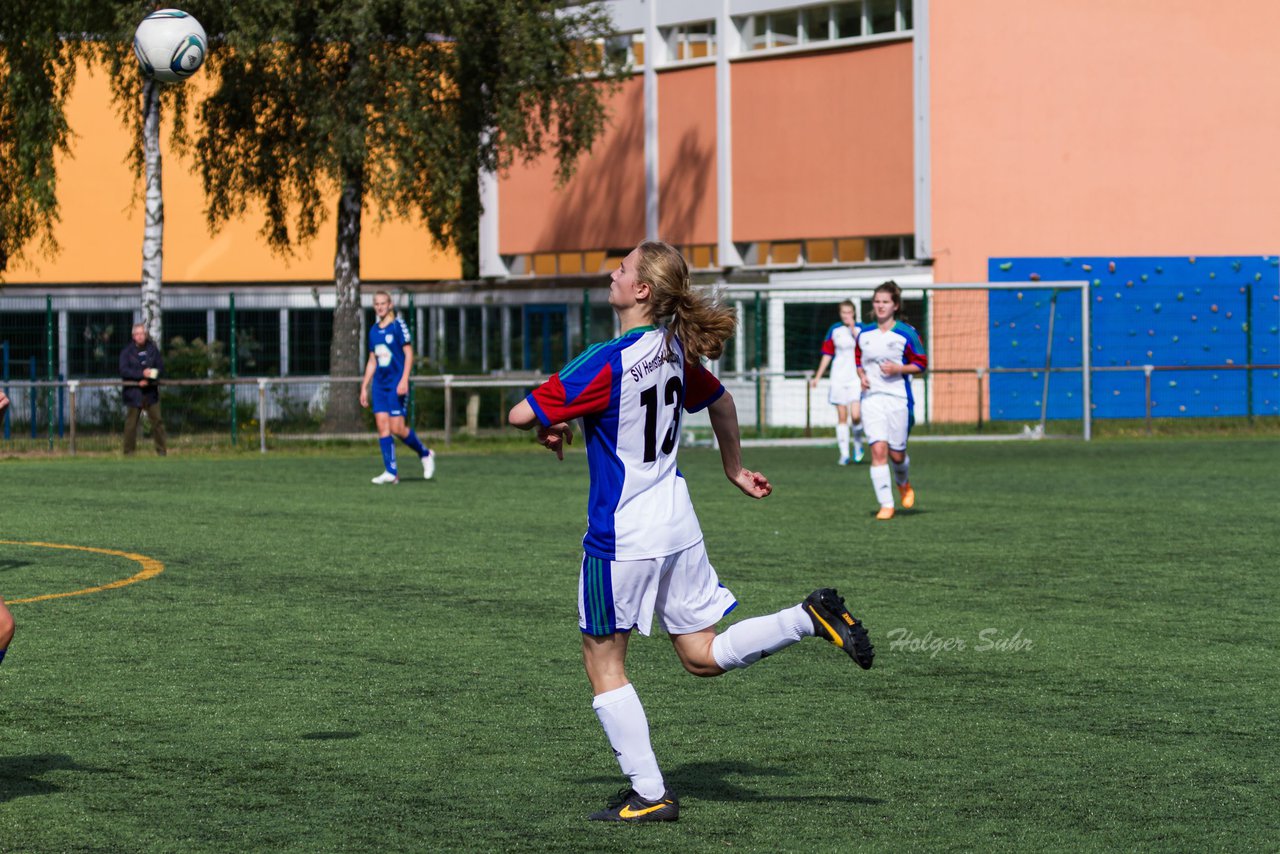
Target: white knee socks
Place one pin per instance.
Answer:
(745, 643)
(880, 480)
(842, 439)
(900, 470)
(627, 727)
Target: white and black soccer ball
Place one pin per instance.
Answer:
(170, 45)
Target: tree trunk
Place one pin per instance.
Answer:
(343, 413)
(153, 229)
(468, 228)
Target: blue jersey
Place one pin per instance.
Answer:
(629, 393)
(387, 343)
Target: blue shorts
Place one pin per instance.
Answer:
(386, 400)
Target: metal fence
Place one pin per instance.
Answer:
(265, 413)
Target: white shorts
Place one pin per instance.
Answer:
(843, 394)
(885, 418)
(683, 589)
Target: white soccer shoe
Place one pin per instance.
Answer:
(429, 466)
(385, 477)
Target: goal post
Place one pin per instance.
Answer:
(1006, 360)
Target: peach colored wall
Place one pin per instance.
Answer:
(687, 155)
(822, 144)
(101, 228)
(1143, 127)
(601, 206)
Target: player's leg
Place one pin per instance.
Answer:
(842, 432)
(855, 417)
(157, 429)
(386, 444)
(131, 429)
(900, 427)
(406, 434)
(611, 600)
(875, 418)
(6, 628)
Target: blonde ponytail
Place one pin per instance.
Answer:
(701, 324)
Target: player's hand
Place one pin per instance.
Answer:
(813, 382)
(364, 398)
(555, 437)
(866, 383)
(890, 369)
(752, 483)
(402, 388)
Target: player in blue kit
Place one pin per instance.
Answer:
(643, 553)
(6, 618)
(889, 352)
(386, 375)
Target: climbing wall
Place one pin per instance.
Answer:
(1200, 317)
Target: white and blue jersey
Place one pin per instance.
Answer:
(630, 393)
(387, 344)
(899, 343)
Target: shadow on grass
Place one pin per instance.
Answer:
(335, 735)
(710, 781)
(19, 775)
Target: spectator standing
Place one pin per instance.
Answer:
(141, 363)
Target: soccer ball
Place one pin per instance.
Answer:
(170, 45)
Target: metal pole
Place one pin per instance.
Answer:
(1048, 363)
(4, 357)
(1086, 363)
(72, 385)
(808, 407)
(35, 392)
(757, 361)
(262, 414)
(48, 350)
(1248, 348)
(448, 408)
(980, 373)
(413, 330)
(234, 371)
(1146, 371)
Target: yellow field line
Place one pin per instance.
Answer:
(150, 569)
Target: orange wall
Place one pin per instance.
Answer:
(101, 229)
(822, 144)
(687, 155)
(1143, 127)
(602, 206)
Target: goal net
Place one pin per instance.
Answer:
(1005, 359)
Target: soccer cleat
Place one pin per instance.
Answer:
(627, 805)
(908, 495)
(831, 620)
(885, 513)
(844, 461)
(858, 453)
(429, 466)
(386, 477)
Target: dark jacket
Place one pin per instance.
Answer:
(132, 363)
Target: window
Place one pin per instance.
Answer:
(848, 20)
(882, 15)
(188, 325)
(310, 333)
(257, 340)
(692, 41)
(817, 23)
(95, 339)
(805, 326)
(26, 334)
(625, 49)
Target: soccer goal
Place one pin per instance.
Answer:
(1005, 359)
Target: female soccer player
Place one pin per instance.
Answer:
(6, 618)
(643, 551)
(888, 354)
(387, 371)
(837, 351)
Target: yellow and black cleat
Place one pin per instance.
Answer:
(627, 805)
(831, 620)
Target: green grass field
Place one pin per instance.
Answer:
(325, 665)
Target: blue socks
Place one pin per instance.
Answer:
(388, 446)
(416, 446)
(2, 652)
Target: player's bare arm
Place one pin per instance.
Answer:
(369, 367)
(553, 437)
(402, 387)
(724, 423)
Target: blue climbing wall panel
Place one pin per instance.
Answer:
(1180, 311)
